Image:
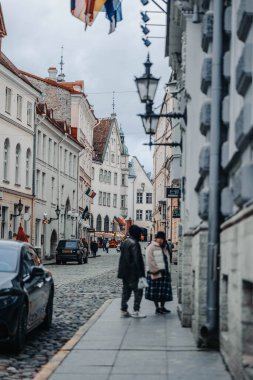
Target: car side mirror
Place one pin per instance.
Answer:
(37, 271)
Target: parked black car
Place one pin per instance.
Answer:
(26, 293)
(71, 250)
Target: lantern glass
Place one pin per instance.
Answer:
(57, 211)
(150, 123)
(147, 87)
(20, 206)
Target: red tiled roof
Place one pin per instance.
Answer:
(10, 66)
(100, 137)
(68, 86)
(3, 31)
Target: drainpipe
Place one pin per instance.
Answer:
(210, 331)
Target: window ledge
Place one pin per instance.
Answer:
(6, 181)
(17, 184)
(28, 188)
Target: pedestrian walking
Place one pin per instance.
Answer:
(131, 271)
(107, 246)
(159, 288)
(94, 248)
(104, 244)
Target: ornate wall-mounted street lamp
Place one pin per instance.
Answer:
(147, 86)
(20, 208)
(58, 212)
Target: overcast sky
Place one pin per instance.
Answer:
(38, 28)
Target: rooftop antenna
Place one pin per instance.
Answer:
(61, 76)
(113, 102)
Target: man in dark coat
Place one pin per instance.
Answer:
(131, 269)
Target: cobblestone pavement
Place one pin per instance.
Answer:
(80, 291)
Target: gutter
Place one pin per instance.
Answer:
(210, 331)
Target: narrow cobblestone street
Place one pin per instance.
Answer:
(79, 291)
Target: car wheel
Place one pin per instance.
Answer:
(49, 312)
(18, 342)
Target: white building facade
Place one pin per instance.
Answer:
(17, 104)
(56, 184)
(140, 198)
(109, 177)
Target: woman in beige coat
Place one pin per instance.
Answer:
(159, 288)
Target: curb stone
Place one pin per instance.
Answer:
(57, 359)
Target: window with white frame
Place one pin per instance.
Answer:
(115, 200)
(139, 197)
(92, 173)
(49, 151)
(29, 113)
(17, 164)
(8, 94)
(19, 107)
(108, 199)
(27, 223)
(149, 198)
(123, 180)
(65, 161)
(53, 189)
(105, 176)
(74, 166)
(38, 183)
(55, 155)
(100, 175)
(113, 158)
(39, 144)
(138, 214)
(28, 168)
(44, 147)
(109, 177)
(6, 159)
(148, 215)
(70, 163)
(43, 187)
(123, 201)
(115, 178)
(104, 199)
(100, 198)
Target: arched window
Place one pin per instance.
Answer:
(91, 221)
(6, 159)
(105, 176)
(109, 177)
(106, 224)
(99, 223)
(113, 158)
(28, 168)
(17, 164)
(100, 175)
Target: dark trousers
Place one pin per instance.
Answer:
(127, 290)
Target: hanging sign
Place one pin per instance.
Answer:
(173, 192)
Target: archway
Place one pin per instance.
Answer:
(106, 224)
(99, 223)
(53, 243)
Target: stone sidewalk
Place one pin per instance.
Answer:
(154, 348)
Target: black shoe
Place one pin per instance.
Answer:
(159, 311)
(165, 311)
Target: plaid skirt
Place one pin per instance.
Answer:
(159, 290)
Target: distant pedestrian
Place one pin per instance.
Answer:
(94, 248)
(131, 270)
(159, 288)
(107, 246)
(104, 244)
(170, 246)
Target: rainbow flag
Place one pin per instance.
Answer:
(86, 10)
(121, 220)
(116, 221)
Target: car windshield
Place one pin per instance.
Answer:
(68, 244)
(8, 258)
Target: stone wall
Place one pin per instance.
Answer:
(236, 296)
(57, 98)
(199, 281)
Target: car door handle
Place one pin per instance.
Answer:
(40, 284)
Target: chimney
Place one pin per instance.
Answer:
(52, 71)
